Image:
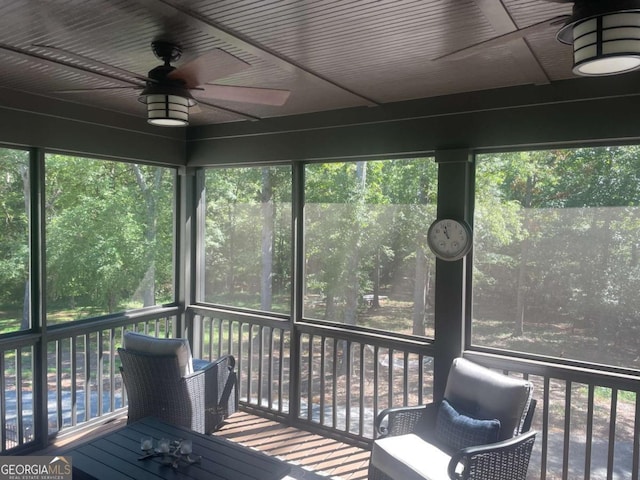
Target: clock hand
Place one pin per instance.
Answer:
(446, 233)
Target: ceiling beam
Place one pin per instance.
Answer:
(501, 21)
(244, 43)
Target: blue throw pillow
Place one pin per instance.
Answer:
(457, 431)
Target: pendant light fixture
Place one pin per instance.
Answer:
(167, 105)
(605, 36)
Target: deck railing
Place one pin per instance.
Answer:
(588, 420)
(342, 379)
(83, 380)
(261, 348)
(328, 378)
(16, 391)
(346, 378)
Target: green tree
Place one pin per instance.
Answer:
(248, 247)
(109, 233)
(557, 231)
(364, 225)
(14, 239)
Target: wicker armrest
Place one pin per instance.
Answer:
(220, 396)
(214, 371)
(403, 420)
(195, 383)
(511, 455)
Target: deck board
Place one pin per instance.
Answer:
(314, 452)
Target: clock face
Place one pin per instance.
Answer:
(449, 239)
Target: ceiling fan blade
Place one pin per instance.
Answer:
(97, 89)
(242, 115)
(91, 61)
(208, 67)
(502, 39)
(261, 96)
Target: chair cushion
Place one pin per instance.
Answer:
(139, 342)
(482, 393)
(409, 457)
(199, 364)
(457, 430)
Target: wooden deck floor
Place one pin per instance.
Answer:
(314, 452)
(317, 453)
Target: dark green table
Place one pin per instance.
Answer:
(115, 456)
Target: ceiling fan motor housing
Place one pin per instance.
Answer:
(160, 75)
(166, 51)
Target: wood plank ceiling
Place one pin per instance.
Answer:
(331, 54)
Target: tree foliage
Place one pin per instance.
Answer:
(108, 233)
(248, 237)
(555, 241)
(109, 227)
(556, 244)
(362, 224)
(14, 228)
(365, 224)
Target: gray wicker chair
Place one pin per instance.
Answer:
(412, 442)
(199, 401)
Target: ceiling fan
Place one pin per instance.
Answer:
(605, 35)
(170, 91)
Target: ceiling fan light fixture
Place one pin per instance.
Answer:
(167, 110)
(167, 105)
(605, 37)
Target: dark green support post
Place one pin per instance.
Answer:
(455, 196)
(189, 263)
(37, 295)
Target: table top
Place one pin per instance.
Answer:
(116, 456)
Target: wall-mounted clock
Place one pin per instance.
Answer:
(450, 239)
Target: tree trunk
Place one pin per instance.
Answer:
(25, 323)
(420, 287)
(352, 293)
(518, 328)
(148, 282)
(605, 327)
(353, 280)
(268, 210)
(375, 303)
(26, 304)
(419, 292)
(330, 306)
(148, 286)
